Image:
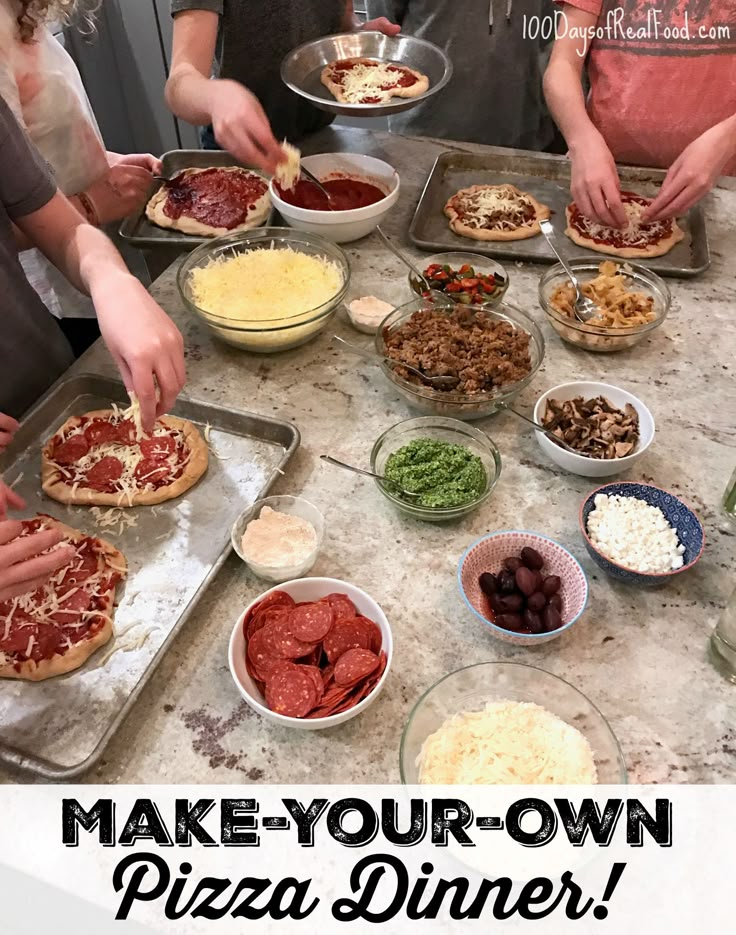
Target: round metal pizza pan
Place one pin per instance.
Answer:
(302, 68)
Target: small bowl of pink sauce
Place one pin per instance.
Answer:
(362, 192)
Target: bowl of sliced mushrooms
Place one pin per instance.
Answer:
(609, 428)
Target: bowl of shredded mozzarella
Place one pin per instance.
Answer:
(266, 290)
(503, 723)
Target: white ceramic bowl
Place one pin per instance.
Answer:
(308, 589)
(343, 226)
(592, 467)
(294, 506)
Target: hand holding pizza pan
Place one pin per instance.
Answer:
(302, 71)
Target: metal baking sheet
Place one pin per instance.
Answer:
(58, 729)
(139, 231)
(547, 177)
(301, 69)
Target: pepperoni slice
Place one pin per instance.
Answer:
(290, 691)
(316, 676)
(152, 472)
(312, 622)
(278, 640)
(72, 450)
(345, 635)
(262, 660)
(101, 432)
(102, 476)
(342, 606)
(354, 666)
(48, 642)
(275, 597)
(17, 639)
(158, 448)
(375, 637)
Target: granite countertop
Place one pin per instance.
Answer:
(640, 656)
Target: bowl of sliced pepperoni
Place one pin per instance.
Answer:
(311, 653)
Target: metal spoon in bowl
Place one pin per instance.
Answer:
(584, 308)
(438, 383)
(405, 260)
(540, 428)
(357, 470)
(310, 177)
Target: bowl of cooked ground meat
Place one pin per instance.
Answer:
(492, 354)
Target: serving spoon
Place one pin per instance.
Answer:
(540, 428)
(584, 308)
(310, 177)
(357, 470)
(438, 383)
(404, 259)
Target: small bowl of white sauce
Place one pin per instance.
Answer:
(279, 538)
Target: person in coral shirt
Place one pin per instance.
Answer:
(662, 93)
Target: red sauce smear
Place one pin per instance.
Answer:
(345, 195)
(220, 199)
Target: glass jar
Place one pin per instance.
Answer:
(729, 498)
(723, 641)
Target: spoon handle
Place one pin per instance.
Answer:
(354, 349)
(538, 427)
(349, 467)
(549, 235)
(405, 260)
(315, 181)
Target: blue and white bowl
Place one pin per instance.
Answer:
(678, 514)
(488, 553)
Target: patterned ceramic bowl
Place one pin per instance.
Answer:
(488, 553)
(685, 522)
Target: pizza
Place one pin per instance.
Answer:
(103, 458)
(211, 202)
(57, 627)
(369, 81)
(635, 240)
(495, 212)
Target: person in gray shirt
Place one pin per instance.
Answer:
(247, 105)
(495, 94)
(144, 342)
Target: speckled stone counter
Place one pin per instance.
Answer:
(640, 656)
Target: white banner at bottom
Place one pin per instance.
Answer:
(344, 859)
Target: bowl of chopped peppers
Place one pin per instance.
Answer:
(466, 278)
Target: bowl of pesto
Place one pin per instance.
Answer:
(435, 468)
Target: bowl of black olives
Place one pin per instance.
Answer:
(527, 588)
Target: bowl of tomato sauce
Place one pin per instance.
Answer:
(362, 192)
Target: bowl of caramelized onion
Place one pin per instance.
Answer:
(633, 302)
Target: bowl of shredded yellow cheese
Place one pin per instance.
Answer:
(265, 290)
(503, 723)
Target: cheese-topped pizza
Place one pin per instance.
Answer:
(211, 202)
(57, 627)
(495, 212)
(369, 81)
(104, 458)
(634, 240)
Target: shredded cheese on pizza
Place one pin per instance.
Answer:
(288, 172)
(635, 234)
(497, 207)
(368, 79)
(46, 605)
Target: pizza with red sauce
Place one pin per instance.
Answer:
(103, 458)
(57, 627)
(211, 202)
(369, 81)
(637, 239)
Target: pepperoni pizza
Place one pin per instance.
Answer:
(211, 202)
(104, 458)
(637, 239)
(369, 81)
(57, 627)
(495, 212)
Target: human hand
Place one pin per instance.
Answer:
(694, 172)
(144, 160)
(241, 126)
(123, 189)
(22, 566)
(8, 428)
(9, 500)
(594, 182)
(382, 24)
(144, 342)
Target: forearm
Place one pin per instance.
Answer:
(189, 95)
(563, 91)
